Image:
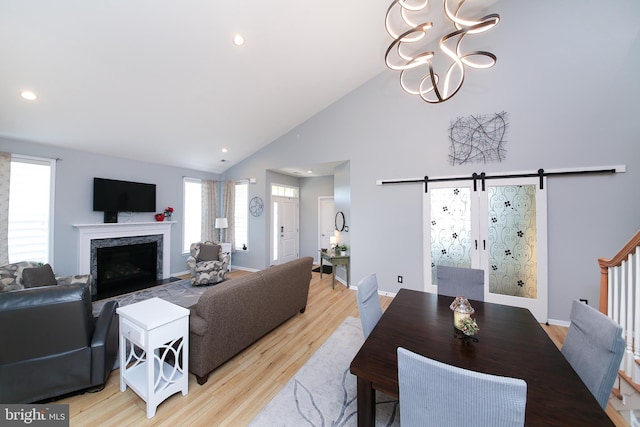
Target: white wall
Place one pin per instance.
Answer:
(566, 76)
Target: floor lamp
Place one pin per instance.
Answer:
(220, 224)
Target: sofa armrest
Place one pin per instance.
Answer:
(104, 343)
(85, 279)
(197, 325)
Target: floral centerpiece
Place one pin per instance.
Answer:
(464, 325)
(468, 326)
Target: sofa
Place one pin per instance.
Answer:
(51, 343)
(207, 263)
(11, 276)
(234, 314)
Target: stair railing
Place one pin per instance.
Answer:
(620, 301)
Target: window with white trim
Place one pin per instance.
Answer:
(31, 190)
(192, 208)
(241, 215)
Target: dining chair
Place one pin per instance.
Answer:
(440, 395)
(457, 281)
(368, 303)
(594, 348)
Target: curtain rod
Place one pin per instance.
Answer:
(541, 173)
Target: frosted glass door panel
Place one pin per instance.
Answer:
(512, 241)
(450, 227)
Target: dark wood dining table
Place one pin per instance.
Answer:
(510, 343)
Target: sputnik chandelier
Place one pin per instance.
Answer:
(408, 22)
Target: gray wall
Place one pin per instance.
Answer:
(74, 191)
(310, 190)
(566, 76)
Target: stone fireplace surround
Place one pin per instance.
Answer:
(91, 236)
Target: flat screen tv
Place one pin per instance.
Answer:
(112, 196)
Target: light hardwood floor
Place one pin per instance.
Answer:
(237, 391)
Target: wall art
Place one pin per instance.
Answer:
(478, 138)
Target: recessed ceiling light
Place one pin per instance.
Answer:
(224, 150)
(28, 95)
(309, 171)
(238, 40)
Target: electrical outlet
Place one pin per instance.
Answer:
(399, 279)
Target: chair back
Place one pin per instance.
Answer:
(457, 281)
(440, 395)
(46, 320)
(369, 303)
(594, 347)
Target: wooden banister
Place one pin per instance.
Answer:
(604, 264)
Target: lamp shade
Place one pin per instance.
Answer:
(221, 223)
(333, 240)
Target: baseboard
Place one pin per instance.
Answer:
(558, 322)
(238, 267)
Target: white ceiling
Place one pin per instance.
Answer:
(161, 80)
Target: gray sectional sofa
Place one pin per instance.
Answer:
(234, 314)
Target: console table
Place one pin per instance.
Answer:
(154, 350)
(335, 259)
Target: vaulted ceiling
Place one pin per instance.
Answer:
(161, 80)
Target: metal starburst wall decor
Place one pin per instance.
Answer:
(435, 73)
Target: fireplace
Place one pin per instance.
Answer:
(125, 268)
(125, 264)
(92, 237)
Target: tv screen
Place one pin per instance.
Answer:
(110, 195)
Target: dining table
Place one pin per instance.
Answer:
(510, 342)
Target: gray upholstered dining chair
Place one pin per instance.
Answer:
(369, 303)
(594, 347)
(440, 395)
(457, 281)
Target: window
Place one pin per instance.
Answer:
(241, 215)
(284, 191)
(30, 209)
(192, 224)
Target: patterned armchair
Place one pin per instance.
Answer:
(11, 276)
(208, 264)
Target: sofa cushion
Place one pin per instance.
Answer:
(38, 276)
(209, 252)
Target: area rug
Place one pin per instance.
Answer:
(180, 292)
(326, 269)
(323, 392)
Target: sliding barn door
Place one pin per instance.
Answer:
(500, 229)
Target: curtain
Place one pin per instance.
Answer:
(209, 210)
(228, 211)
(5, 174)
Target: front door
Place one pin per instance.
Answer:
(285, 230)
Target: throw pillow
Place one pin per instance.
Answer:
(38, 276)
(209, 252)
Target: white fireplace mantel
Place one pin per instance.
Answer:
(89, 232)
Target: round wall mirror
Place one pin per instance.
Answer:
(339, 221)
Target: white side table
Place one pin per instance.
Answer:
(154, 350)
(226, 248)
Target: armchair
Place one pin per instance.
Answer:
(207, 263)
(11, 276)
(52, 344)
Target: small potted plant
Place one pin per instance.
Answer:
(342, 249)
(168, 213)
